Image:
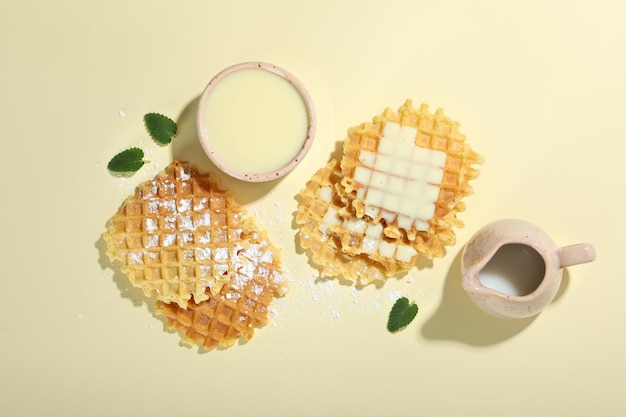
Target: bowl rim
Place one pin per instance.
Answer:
(204, 138)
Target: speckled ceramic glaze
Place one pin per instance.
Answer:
(484, 244)
(217, 159)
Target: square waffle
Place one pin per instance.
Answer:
(178, 235)
(318, 211)
(241, 305)
(409, 169)
(393, 198)
(189, 244)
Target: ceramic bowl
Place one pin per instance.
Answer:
(218, 159)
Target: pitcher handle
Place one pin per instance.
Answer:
(576, 254)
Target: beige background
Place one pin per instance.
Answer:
(539, 89)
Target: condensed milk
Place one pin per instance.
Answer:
(255, 121)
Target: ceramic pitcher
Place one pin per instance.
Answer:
(524, 254)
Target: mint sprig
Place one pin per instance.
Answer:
(129, 160)
(402, 313)
(161, 128)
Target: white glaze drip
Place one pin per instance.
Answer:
(401, 180)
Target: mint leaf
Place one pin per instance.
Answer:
(129, 160)
(402, 313)
(161, 128)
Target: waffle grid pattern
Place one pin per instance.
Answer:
(318, 210)
(400, 181)
(433, 131)
(340, 233)
(189, 244)
(178, 236)
(241, 305)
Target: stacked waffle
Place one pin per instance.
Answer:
(393, 197)
(188, 244)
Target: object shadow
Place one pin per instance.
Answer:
(186, 147)
(459, 319)
(139, 299)
(127, 290)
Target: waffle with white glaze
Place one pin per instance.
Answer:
(318, 211)
(241, 305)
(409, 171)
(345, 245)
(392, 199)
